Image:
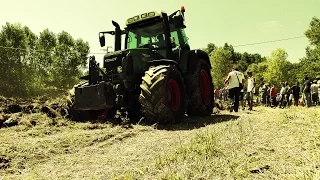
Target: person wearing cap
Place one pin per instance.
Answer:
(314, 92)
(250, 89)
(235, 82)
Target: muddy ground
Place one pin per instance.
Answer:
(11, 109)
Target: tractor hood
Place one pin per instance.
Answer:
(135, 51)
(111, 55)
(114, 59)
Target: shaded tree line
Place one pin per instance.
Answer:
(275, 68)
(33, 64)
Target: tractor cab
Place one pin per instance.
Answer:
(162, 35)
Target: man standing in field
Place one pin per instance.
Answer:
(314, 92)
(296, 92)
(306, 91)
(250, 89)
(235, 82)
(283, 92)
(288, 92)
(273, 95)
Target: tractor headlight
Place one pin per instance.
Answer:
(119, 69)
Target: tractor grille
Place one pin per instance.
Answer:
(113, 75)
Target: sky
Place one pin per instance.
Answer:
(236, 22)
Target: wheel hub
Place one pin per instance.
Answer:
(174, 94)
(205, 87)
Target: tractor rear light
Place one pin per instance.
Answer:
(182, 9)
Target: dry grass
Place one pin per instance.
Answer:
(262, 144)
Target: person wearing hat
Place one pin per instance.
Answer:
(235, 82)
(314, 92)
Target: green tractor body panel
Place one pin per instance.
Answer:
(140, 58)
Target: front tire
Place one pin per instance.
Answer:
(163, 97)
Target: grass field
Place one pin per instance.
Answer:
(261, 144)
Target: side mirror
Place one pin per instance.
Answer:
(178, 21)
(102, 40)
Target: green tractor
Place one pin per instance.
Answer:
(156, 75)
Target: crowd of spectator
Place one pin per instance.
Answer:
(242, 90)
(287, 95)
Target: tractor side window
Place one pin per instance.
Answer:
(132, 40)
(144, 41)
(184, 37)
(175, 37)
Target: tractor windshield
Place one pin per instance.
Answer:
(150, 35)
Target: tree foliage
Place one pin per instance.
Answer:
(221, 62)
(210, 48)
(48, 60)
(273, 69)
(277, 67)
(30, 63)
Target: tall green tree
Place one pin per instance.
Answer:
(16, 60)
(310, 65)
(277, 67)
(210, 48)
(313, 32)
(29, 63)
(70, 57)
(221, 61)
(45, 56)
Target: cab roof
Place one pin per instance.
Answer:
(143, 17)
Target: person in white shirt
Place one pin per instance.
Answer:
(242, 98)
(235, 82)
(314, 92)
(250, 89)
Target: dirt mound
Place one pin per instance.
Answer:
(11, 110)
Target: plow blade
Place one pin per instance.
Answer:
(94, 97)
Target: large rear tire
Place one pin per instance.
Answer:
(200, 90)
(163, 97)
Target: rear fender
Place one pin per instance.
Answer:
(193, 55)
(164, 62)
